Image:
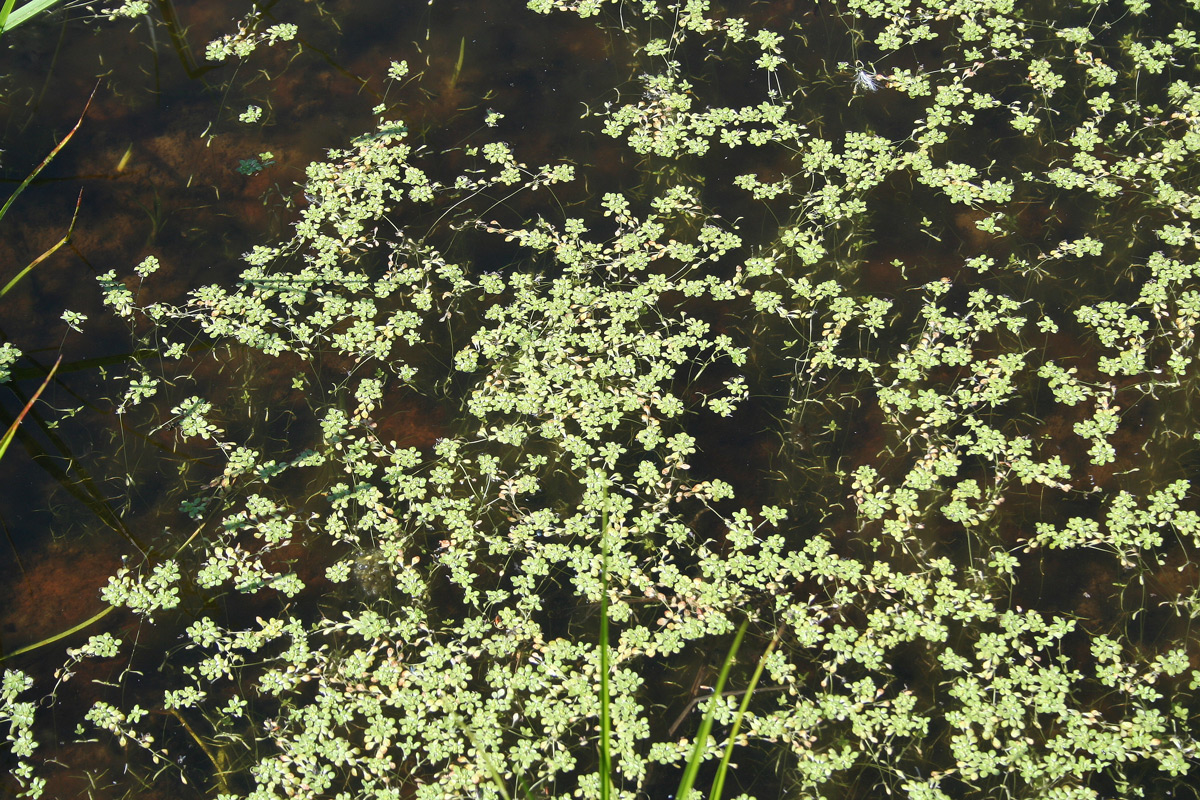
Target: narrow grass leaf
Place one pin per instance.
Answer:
(24, 13)
(487, 762)
(693, 766)
(49, 158)
(5, 10)
(719, 780)
(605, 720)
(11, 433)
(64, 634)
(70, 229)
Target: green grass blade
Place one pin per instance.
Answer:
(693, 766)
(24, 13)
(70, 229)
(11, 433)
(493, 773)
(5, 10)
(719, 780)
(605, 719)
(49, 158)
(462, 53)
(90, 620)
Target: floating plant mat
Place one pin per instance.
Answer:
(870, 326)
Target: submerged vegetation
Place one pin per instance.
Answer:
(865, 329)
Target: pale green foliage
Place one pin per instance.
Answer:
(19, 735)
(146, 594)
(248, 38)
(128, 8)
(9, 355)
(74, 320)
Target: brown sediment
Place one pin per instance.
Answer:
(976, 239)
(59, 589)
(97, 768)
(418, 422)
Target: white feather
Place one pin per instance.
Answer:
(866, 80)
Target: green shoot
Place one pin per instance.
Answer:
(10, 19)
(605, 721)
(719, 780)
(51, 251)
(45, 161)
(11, 433)
(697, 756)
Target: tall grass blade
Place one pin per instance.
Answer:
(16, 553)
(462, 54)
(487, 763)
(179, 40)
(605, 719)
(5, 10)
(11, 433)
(693, 766)
(24, 13)
(70, 229)
(50, 157)
(64, 634)
(719, 780)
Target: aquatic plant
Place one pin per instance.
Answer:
(9, 19)
(11, 16)
(942, 253)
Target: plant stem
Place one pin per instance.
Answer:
(719, 780)
(605, 721)
(693, 766)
